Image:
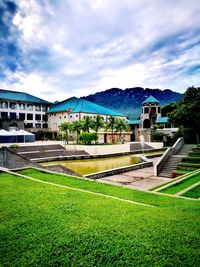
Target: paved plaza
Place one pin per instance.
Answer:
(142, 179)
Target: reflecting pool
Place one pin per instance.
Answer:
(87, 166)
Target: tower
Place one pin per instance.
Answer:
(150, 112)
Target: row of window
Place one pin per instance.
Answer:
(37, 125)
(146, 110)
(22, 116)
(22, 106)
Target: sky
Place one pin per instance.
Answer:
(56, 49)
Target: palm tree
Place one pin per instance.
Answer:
(76, 126)
(111, 125)
(97, 124)
(120, 125)
(87, 124)
(64, 127)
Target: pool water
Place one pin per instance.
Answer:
(88, 166)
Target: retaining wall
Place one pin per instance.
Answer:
(102, 174)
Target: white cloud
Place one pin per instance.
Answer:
(94, 45)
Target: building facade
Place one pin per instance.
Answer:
(22, 111)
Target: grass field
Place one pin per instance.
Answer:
(193, 193)
(173, 189)
(45, 225)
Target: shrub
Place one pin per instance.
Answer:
(14, 146)
(88, 138)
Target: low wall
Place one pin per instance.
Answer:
(102, 174)
(102, 149)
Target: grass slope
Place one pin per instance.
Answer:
(111, 190)
(193, 193)
(173, 189)
(43, 225)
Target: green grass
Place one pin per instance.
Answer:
(173, 189)
(135, 195)
(193, 193)
(44, 225)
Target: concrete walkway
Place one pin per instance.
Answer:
(142, 179)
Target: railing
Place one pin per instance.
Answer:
(169, 152)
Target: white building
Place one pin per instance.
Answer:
(22, 110)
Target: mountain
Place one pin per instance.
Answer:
(129, 101)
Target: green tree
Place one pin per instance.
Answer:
(64, 127)
(187, 112)
(111, 125)
(97, 123)
(88, 138)
(87, 124)
(120, 126)
(76, 126)
(167, 109)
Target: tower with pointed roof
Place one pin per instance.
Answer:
(150, 112)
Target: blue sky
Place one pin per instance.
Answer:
(56, 49)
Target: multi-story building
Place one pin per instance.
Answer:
(22, 111)
(74, 109)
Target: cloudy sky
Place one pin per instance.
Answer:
(56, 49)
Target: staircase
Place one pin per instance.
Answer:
(172, 162)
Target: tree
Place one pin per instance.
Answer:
(120, 125)
(167, 109)
(87, 124)
(76, 126)
(97, 123)
(64, 127)
(111, 125)
(187, 112)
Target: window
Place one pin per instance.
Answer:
(65, 117)
(44, 108)
(4, 105)
(29, 107)
(4, 115)
(76, 115)
(38, 108)
(29, 125)
(29, 116)
(70, 116)
(45, 125)
(158, 109)
(21, 106)
(13, 115)
(22, 116)
(38, 125)
(153, 109)
(146, 110)
(13, 105)
(44, 117)
(60, 117)
(38, 117)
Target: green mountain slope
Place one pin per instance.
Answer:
(129, 101)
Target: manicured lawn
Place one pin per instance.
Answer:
(44, 225)
(173, 189)
(193, 193)
(135, 195)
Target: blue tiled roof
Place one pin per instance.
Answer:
(133, 121)
(162, 120)
(150, 99)
(20, 96)
(75, 105)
